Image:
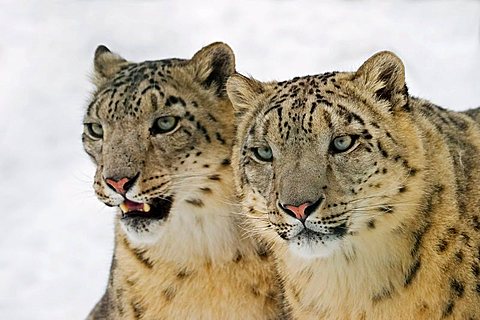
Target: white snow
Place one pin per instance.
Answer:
(55, 236)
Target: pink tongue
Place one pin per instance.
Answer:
(133, 206)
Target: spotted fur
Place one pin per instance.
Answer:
(393, 227)
(193, 261)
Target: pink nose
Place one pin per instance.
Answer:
(119, 185)
(299, 211)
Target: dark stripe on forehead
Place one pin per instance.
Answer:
(327, 117)
(173, 100)
(357, 118)
(320, 100)
(154, 86)
(349, 115)
(313, 107)
(272, 108)
(279, 113)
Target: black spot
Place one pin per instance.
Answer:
(214, 177)
(448, 309)
(171, 100)
(169, 293)
(211, 117)
(226, 162)
(366, 135)
(238, 257)
(263, 253)
(442, 245)
(195, 202)
(452, 231)
(475, 269)
(406, 107)
(457, 287)
(387, 209)
(219, 137)
(182, 274)
(476, 223)
(189, 116)
(137, 309)
(204, 131)
(371, 224)
(459, 256)
(255, 291)
(206, 190)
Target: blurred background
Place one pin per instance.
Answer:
(56, 238)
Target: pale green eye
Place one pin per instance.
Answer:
(342, 143)
(164, 124)
(263, 153)
(94, 130)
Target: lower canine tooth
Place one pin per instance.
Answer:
(124, 208)
(146, 207)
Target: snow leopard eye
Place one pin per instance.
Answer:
(94, 130)
(263, 153)
(343, 143)
(164, 124)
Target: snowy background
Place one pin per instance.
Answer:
(55, 237)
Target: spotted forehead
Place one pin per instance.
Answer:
(300, 92)
(299, 104)
(123, 95)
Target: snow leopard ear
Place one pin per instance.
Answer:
(243, 92)
(384, 75)
(106, 65)
(213, 65)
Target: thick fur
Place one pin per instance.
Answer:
(396, 234)
(196, 262)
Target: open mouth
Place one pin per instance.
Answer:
(157, 209)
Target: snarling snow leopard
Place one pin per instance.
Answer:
(160, 134)
(369, 197)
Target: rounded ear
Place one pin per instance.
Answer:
(384, 75)
(106, 64)
(213, 65)
(243, 91)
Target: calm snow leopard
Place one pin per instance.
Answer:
(369, 197)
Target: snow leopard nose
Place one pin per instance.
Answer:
(302, 211)
(122, 185)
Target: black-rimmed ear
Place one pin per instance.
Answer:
(213, 65)
(106, 64)
(243, 91)
(384, 75)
